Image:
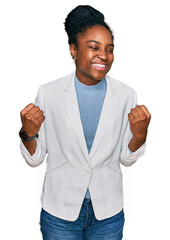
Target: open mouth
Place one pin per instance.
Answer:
(98, 66)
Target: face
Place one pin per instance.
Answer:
(93, 55)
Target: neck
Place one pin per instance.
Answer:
(85, 79)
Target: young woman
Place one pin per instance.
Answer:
(92, 124)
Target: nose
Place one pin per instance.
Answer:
(102, 54)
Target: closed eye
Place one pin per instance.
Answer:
(110, 50)
(94, 48)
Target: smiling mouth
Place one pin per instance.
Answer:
(98, 66)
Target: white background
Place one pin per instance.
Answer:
(33, 51)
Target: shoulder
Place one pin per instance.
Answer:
(56, 84)
(125, 94)
(120, 87)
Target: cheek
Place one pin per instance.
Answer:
(87, 56)
(111, 58)
(84, 58)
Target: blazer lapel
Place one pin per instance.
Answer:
(107, 112)
(72, 107)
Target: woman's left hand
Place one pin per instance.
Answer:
(139, 119)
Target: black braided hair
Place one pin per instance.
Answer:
(80, 19)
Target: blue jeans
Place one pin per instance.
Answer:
(86, 227)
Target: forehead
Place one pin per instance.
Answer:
(97, 33)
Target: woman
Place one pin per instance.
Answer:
(92, 124)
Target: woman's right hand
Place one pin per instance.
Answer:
(31, 118)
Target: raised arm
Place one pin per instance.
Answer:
(31, 118)
(139, 119)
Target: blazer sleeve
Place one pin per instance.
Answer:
(41, 150)
(128, 158)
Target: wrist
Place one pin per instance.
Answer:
(25, 137)
(139, 139)
(136, 143)
(29, 133)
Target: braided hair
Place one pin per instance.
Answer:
(80, 19)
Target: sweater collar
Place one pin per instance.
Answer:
(90, 88)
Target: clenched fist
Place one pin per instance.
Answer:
(31, 118)
(139, 119)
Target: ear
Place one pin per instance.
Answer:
(73, 51)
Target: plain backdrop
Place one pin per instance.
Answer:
(33, 51)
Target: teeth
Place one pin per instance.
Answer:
(100, 65)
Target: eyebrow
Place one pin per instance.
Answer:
(112, 45)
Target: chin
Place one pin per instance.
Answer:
(99, 77)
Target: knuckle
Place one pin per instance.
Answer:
(27, 116)
(36, 108)
(143, 118)
(22, 113)
(42, 119)
(31, 105)
(32, 120)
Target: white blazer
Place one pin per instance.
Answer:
(70, 168)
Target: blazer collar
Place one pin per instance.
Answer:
(68, 84)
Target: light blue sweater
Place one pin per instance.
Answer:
(90, 101)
